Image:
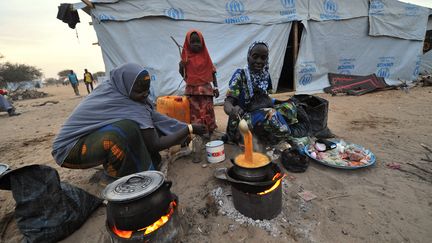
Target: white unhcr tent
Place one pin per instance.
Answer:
(359, 37)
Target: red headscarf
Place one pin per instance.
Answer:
(199, 66)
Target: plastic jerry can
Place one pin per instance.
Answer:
(177, 107)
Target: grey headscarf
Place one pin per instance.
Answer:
(108, 103)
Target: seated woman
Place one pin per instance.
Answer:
(272, 121)
(116, 126)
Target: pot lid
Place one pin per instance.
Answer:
(3, 168)
(133, 186)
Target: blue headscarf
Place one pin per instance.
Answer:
(260, 80)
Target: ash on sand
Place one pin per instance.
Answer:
(291, 221)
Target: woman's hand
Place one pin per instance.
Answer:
(216, 92)
(199, 129)
(270, 113)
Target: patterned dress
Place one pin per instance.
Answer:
(201, 105)
(270, 124)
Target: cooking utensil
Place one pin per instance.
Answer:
(251, 174)
(243, 126)
(3, 168)
(138, 200)
(222, 173)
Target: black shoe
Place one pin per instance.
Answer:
(224, 138)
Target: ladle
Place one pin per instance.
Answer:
(243, 126)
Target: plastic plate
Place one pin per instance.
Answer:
(370, 162)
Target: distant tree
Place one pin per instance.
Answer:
(15, 72)
(63, 74)
(98, 74)
(52, 81)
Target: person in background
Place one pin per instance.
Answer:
(5, 105)
(197, 69)
(117, 127)
(74, 82)
(88, 80)
(271, 120)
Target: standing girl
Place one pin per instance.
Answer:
(198, 71)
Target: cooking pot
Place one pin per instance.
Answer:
(251, 174)
(138, 200)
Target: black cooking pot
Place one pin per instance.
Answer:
(140, 212)
(252, 174)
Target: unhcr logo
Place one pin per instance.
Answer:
(411, 10)
(305, 79)
(175, 13)
(330, 10)
(330, 7)
(383, 72)
(236, 8)
(384, 66)
(346, 65)
(376, 7)
(289, 9)
(306, 72)
(288, 4)
(105, 17)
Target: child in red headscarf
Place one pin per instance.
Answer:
(198, 71)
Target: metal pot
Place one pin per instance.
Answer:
(144, 199)
(251, 174)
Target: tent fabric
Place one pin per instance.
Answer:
(229, 12)
(345, 47)
(341, 36)
(322, 10)
(397, 19)
(234, 11)
(426, 63)
(147, 41)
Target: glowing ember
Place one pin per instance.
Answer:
(277, 177)
(122, 233)
(149, 229)
(156, 225)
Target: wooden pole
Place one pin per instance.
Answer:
(88, 3)
(295, 51)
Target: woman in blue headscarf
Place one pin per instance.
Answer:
(118, 127)
(248, 98)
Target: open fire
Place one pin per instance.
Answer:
(278, 178)
(127, 234)
(261, 197)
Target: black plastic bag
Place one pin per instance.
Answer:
(316, 109)
(47, 210)
(295, 161)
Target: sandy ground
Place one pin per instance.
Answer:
(376, 204)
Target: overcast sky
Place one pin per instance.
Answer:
(31, 34)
